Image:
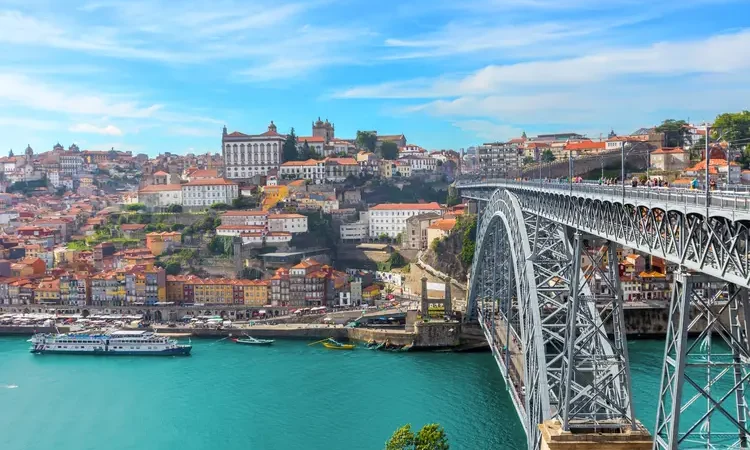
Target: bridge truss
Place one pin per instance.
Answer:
(570, 369)
(527, 280)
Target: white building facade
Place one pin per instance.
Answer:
(160, 195)
(246, 155)
(205, 192)
(290, 223)
(390, 218)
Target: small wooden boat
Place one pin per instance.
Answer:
(249, 340)
(338, 346)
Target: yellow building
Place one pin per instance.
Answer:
(272, 195)
(158, 243)
(256, 293)
(48, 292)
(371, 293)
(213, 291)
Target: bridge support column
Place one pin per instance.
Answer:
(715, 375)
(554, 438)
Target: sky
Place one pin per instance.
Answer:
(155, 76)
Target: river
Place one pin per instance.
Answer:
(287, 396)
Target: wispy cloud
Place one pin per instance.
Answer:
(27, 92)
(714, 55)
(108, 130)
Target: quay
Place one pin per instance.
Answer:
(435, 335)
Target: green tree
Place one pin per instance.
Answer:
(548, 156)
(173, 268)
(402, 439)
(219, 206)
(528, 160)
(289, 149)
(675, 132)
(389, 150)
(135, 207)
(430, 437)
(697, 149)
(304, 153)
(243, 202)
(174, 208)
(735, 129)
(453, 198)
(367, 140)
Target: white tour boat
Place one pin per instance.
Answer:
(115, 343)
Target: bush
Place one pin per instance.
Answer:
(174, 208)
(220, 206)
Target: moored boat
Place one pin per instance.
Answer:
(249, 340)
(333, 345)
(137, 342)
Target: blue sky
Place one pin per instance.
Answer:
(161, 75)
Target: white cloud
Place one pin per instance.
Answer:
(108, 130)
(729, 53)
(27, 92)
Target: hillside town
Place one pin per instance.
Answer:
(287, 220)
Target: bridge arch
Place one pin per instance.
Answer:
(499, 232)
(546, 301)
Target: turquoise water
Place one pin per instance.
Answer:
(287, 396)
(232, 397)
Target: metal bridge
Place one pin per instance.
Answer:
(532, 288)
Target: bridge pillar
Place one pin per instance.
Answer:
(447, 303)
(625, 438)
(425, 300)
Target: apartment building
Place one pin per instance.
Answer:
(390, 218)
(204, 192)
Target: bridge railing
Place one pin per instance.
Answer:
(719, 199)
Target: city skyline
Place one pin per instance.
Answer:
(153, 77)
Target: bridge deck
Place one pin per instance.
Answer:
(734, 205)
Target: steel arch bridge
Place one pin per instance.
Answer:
(532, 290)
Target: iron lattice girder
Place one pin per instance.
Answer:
(596, 384)
(724, 378)
(714, 244)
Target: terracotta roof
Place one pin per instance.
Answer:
(132, 226)
(585, 145)
(306, 263)
(286, 216)
(309, 162)
(443, 224)
(204, 173)
(309, 139)
(245, 213)
(237, 134)
(161, 173)
(160, 188)
(343, 161)
(211, 182)
(297, 183)
(404, 206)
(270, 133)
